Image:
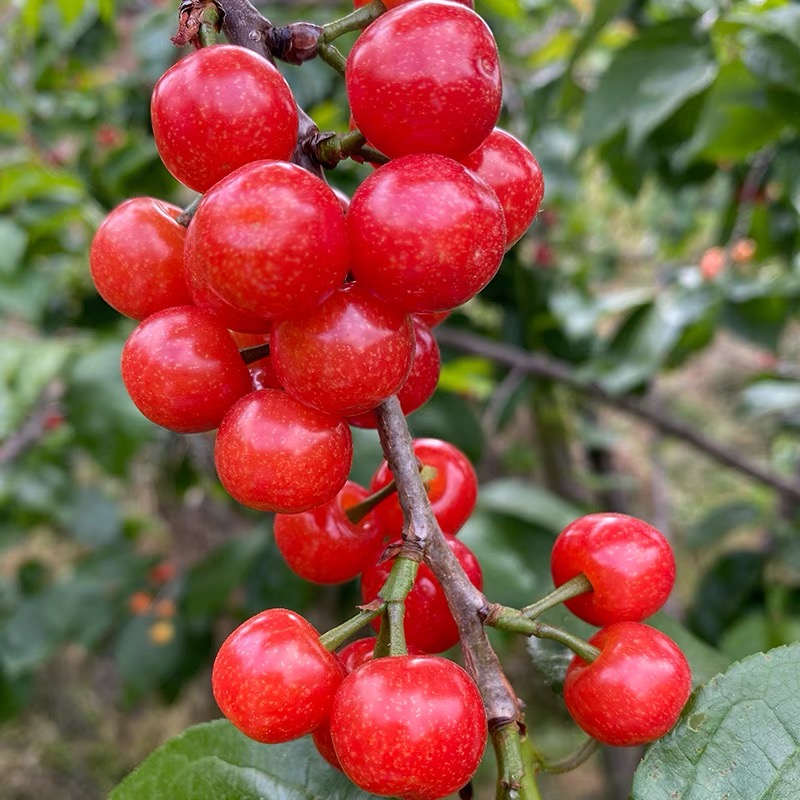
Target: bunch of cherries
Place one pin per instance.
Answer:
(281, 313)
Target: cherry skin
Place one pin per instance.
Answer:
(453, 492)
(516, 177)
(218, 109)
(269, 239)
(273, 679)
(426, 234)
(183, 370)
(411, 727)
(394, 3)
(432, 318)
(634, 691)
(425, 78)
(346, 357)
(351, 656)
(628, 562)
(235, 319)
(275, 454)
(322, 545)
(429, 626)
(421, 382)
(136, 258)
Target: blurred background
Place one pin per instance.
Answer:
(659, 283)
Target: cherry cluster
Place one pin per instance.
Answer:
(281, 313)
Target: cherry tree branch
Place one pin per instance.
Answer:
(560, 372)
(468, 604)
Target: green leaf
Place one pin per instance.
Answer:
(604, 12)
(648, 80)
(215, 762)
(92, 518)
(210, 583)
(783, 20)
(529, 503)
(450, 417)
(740, 117)
(13, 241)
(772, 397)
(773, 59)
(737, 738)
(722, 520)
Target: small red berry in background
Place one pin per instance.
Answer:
(516, 177)
(218, 109)
(275, 454)
(136, 258)
(712, 263)
(269, 239)
(453, 492)
(429, 626)
(411, 727)
(426, 233)
(139, 603)
(273, 679)
(421, 382)
(162, 573)
(347, 356)
(183, 370)
(322, 545)
(425, 78)
(628, 562)
(634, 691)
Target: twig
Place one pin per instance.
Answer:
(546, 367)
(35, 425)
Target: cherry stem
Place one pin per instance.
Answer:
(357, 512)
(254, 353)
(331, 56)
(513, 779)
(185, 217)
(511, 619)
(333, 149)
(394, 592)
(572, 588)
(355, 21)
(209, 25)
(337, 636)
(573, 760)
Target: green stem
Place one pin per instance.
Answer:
(510, 619)
(335, 148)
(515, 780)
(572, 588)
(337, 636)
(573, 760)
(394, 592)
(374, 156)
(357, 512)
(331, 56)
(355, 21)
(209, 25)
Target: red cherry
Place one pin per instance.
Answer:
(218, 109)
(136, 258)
(183, 370)
(351, 656)
(273, 679)
(425, 78)
(452, 492)
(269, 239)
(628, 562)
(411, 727)
(275, 454)
(516, 177)
(421, 382)
(426, 234)
(428, 623)
(346, 357)
(322, 545)
(432, 318)
(634, 691)
(395, 3)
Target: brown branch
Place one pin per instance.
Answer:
(467, 603)
(44, 417)
(546, 367)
